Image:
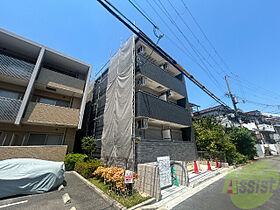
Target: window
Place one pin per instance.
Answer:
(54, 102)
(54, 139)
(45, 139)
(37, 139)
(9, 94)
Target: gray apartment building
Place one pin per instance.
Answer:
(139, 109)
(42, 94)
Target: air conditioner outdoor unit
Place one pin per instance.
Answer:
(142, 124)
(170, 93)
(142, 81)
(141, 49)
(166, 134)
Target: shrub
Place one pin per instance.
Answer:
(86, 169)
(71, 159)
(113, 176)
(89, 145)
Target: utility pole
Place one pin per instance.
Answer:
(231, 96)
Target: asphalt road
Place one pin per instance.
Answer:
(82, 197)
(212, 197)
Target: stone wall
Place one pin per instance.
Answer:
(148, 151)
(53, 153)
(148, 180)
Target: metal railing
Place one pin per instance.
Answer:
(15, 67)
(9, 108)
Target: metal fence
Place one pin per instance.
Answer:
(205, 155)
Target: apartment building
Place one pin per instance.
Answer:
(140, 110)
(42, 93)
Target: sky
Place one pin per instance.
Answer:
(246, 35)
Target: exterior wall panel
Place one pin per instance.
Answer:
(44, 114)
(52, 153)
(60, 81)
(153, 107)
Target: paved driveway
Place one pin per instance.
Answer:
(82, 197)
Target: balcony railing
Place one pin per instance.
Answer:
(15, 67)
(9, 109)
(61, 81)
(152, 107)
(159, 75)
(44, 114)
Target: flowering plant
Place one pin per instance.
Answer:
(113, 176)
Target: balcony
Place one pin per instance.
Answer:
(152, 107)
(266, 127)
(9, 109)
(14, 67)
(61, 83)
(159, 75)
(44, 114)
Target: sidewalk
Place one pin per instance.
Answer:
(174, 195)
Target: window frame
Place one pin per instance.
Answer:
(45, 140)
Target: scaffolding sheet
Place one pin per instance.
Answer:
(118, 114)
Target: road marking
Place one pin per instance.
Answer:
(13, 204)
(66, 198)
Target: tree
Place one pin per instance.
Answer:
(244, 142)
(89, 145)
(211, 136)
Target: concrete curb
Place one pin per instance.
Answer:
(111, 201)
(147, 202)
(204, 179)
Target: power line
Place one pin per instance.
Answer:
(197, 39)
(198, 54)
(122, 18)
(204, 34)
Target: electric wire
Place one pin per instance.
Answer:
(204, 34)
(198, 54)
(122, 18)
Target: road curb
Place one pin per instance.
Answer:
(145, 203)
(108, 199)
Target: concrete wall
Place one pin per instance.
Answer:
(60, 81)
(148, 180)
(148, 151)
(69, 139)
(53, 153)
(44, 114)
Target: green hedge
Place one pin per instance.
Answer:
(71, 159)
(86, 169)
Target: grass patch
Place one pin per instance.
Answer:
(128, 201)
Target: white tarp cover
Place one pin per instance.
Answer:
(29, 176)
(116, 141)
(260, 150)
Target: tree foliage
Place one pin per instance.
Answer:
(89, 145)
(244, 142)
(213, 137)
